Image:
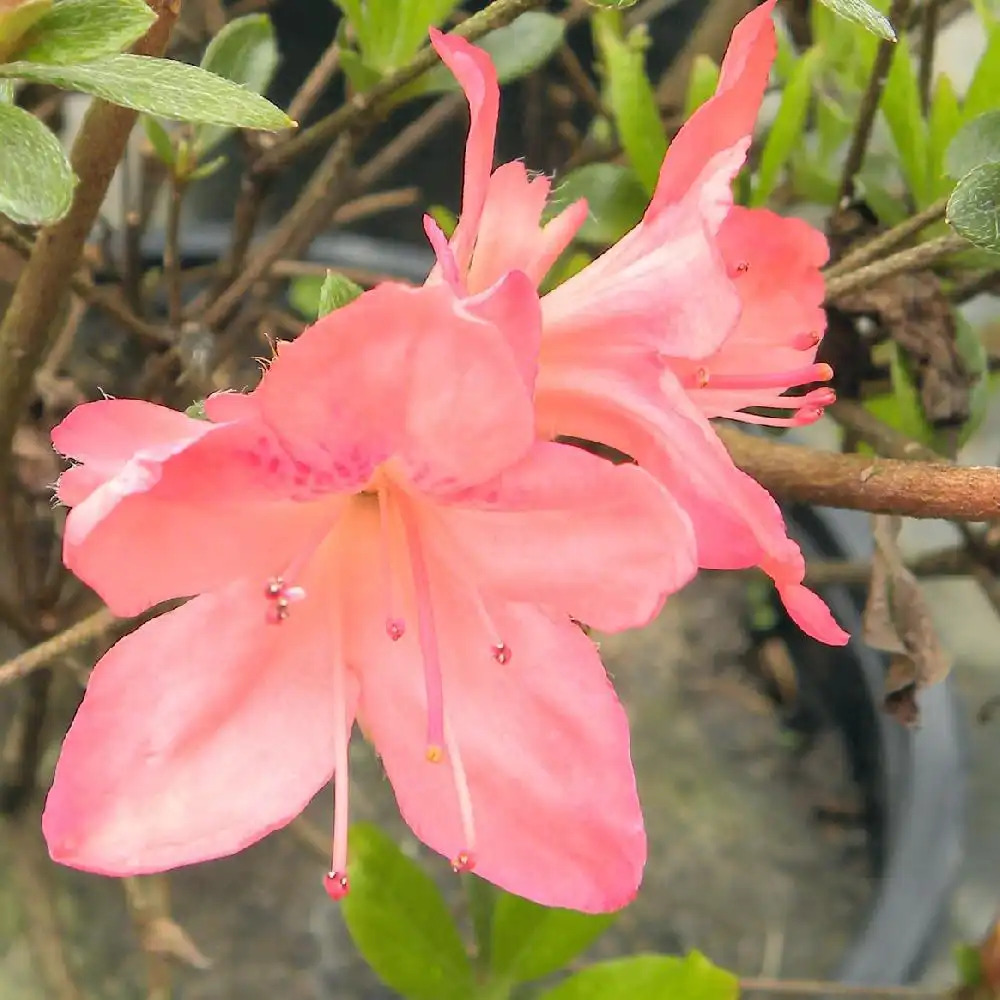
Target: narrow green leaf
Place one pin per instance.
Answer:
(36, 181)
(900, 408)
(400, 923)
(531, 941)
(616, 201)
(357, 71)
(701, 84)
(973, 352)
(833, 127)
(159, 139)
(690, 978)
(517, 49)
(76, 31)
(411, 20)
(630, 97)
(337, 291)
(977, 142)
(159, 87)
(16, 21)
(787, 128)
(246, 52)
(984, 87)
(865, 15)
(901, 107)
(974, 207)
(942, 124)
(969, 965)
(7, 92)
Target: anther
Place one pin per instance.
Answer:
(434, 753)
(742, 267)
(336, 884)
(701, 378)
(502, 653)
(395, 628)
(463, 862)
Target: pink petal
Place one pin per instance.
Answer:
(200, 733)
(663, 288)
(570, 530)
(406, 373)
(511, 236)
(736, 521)
(710, 148)
(181, 520)
(473, 69)
(543, 742)
(776, 267)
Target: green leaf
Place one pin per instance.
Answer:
(531, 941)
(159, 87)
(701, 84)
(977, 142)
(361, 76)
(246, 52)
(690, 978)
(969, 965)
(411, 20)
(901, 408)
(943, 122)
(833, 126)
(788, 127)
(974, 207)
(197, 410)
(616, 201)
(630, 97)
(400, 923)
(16, 21)
(36, 181)
(6, 91)
(445, 218)
(75, 31)
(983, 93)
(159, 139)
(517, 49)
(337, 291)
(865, 15)
(901, 107)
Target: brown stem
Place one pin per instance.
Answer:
(889, 240)
(869, 104)
(928, 37)
(813, 987)
(42, 287)
(858, 482)
(370, 104)
(915, 259)
(319, 76)
(172, 255)
(951, 561)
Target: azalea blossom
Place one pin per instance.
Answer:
(373, 533)
(701, 311)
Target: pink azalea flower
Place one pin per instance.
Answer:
(374, 533)
(700, 311)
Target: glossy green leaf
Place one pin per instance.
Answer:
(246, 52)
(630, 97)
(74, 31)
(517, 49)
(942, 124)
(17, 21)
(864, 14)
(36, 180)
(531, 941)
(159, 87)
(616, 201)
(974, 207)
(977, 142)
(787, 129)
(901, 107)
(649, 976)
(702, 82)
(400, 924)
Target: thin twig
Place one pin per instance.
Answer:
(172, 254)
(880, 245)
(950, 561)
(915, 259)
(928, 38)
(858, 482)
(869, 104)
(369, 105)
(813, 987)
(319, 76)
(368, 205)
(977, 284)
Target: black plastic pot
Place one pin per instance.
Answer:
(913, 781)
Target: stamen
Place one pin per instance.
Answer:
(336, 884)
(395, 627)
(502, 653)
(742, 267)
(280, 598)
(465, 860)
(766, 380)
(427, 631)
(336, 881)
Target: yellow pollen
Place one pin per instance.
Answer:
(435, 754)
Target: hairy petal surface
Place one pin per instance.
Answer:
(199, 733)
(570, 530)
